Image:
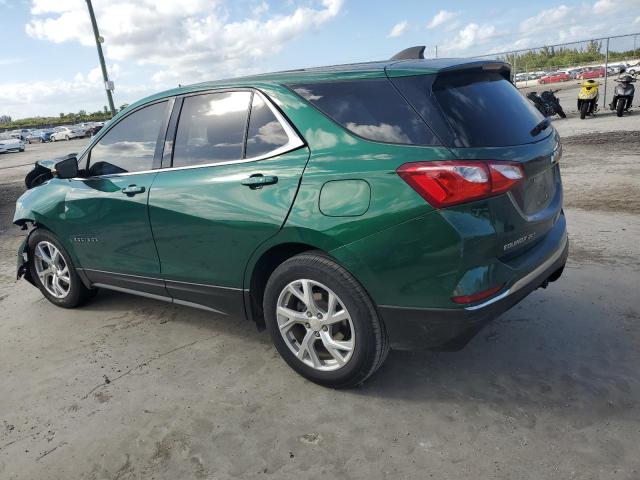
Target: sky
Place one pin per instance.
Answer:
(49, 63)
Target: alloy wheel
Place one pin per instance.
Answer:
(315, 325)
(52, 269)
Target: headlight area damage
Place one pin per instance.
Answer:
(28, 204)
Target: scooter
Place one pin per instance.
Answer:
(623, 94)
(588, 98)
(547, 103)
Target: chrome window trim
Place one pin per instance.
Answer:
(294, 142)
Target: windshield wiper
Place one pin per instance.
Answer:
(543, 125)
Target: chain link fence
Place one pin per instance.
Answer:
(562, 66)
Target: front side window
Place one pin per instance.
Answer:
(130, 145)
(372, 109)
(211, 128)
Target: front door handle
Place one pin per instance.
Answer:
(132, 190)
(258, 181)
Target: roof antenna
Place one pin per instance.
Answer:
(411, 53)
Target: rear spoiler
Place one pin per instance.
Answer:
(412, 58)
(502, 68)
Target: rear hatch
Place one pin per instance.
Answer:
(476, 112)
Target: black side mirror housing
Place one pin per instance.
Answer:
(67, 168)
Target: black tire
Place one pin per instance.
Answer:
(560, 112)
(78, 293)
(584, 109)
(620, 106)
(371, 344)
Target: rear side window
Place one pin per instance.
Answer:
(478, 108)
(211, 128)
(265, 133)
(372, 109)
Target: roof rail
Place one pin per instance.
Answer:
(411, 53)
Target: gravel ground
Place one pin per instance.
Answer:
(129, 388)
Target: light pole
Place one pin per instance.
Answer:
(107, 84)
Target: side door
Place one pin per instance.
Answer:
(234, 167)
(106, 209)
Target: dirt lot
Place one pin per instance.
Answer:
(133, 388)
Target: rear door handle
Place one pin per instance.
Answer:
(132, 190)
(258, 181)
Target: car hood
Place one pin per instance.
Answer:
(9, 141)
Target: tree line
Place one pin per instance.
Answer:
(548, 58)
(7, 123)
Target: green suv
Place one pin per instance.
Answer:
(347, 209)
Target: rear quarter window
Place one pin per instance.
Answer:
(372, 109)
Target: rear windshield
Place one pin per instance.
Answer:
(372, 109)
(476, 108)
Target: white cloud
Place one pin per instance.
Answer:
(84, 91)
(440, 18)
(546, 19)
(398, 29)
(471, 35)
(194, 40)
(605, 7)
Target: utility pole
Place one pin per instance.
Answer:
(108, 85)
(606, 74)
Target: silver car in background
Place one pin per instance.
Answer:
(9, 144)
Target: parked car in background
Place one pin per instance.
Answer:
(595, 72)
(323, 204)
(555, 77)
(39, 136)
(11, 144)
(66, 133)
(93, 129)
(574, 72)
(21, 134)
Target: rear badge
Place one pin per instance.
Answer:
(518, 242)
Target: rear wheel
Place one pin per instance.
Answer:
(620, 106)
(584, 109)
(53, 272)
(323, 323)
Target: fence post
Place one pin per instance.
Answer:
(606, 73)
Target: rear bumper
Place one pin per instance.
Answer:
(412, 328)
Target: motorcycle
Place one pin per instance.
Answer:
(547, 103)
(623, 94)
(588, 98)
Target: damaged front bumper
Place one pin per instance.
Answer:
(23, 262)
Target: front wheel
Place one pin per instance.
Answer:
(53, 272)
(620, 106)
(584, 109)
(322, 321)
(560, 112)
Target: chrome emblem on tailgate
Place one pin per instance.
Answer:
(519, 241)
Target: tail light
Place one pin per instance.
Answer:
(476, 297)
(443, 184)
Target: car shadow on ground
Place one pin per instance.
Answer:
(545, 354)
(551, 352)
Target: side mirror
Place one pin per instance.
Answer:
(67, 168)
